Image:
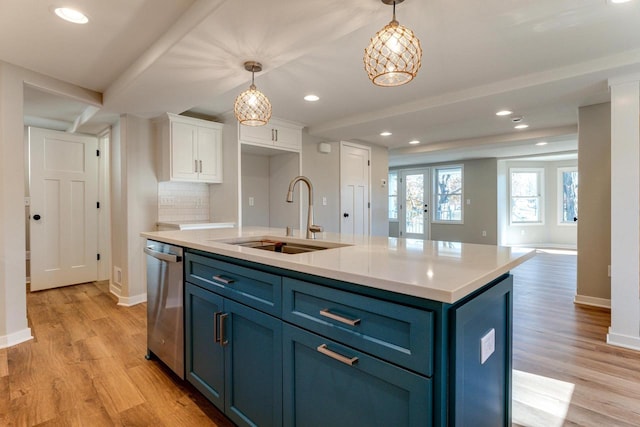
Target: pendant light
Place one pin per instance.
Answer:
(252, 108)
(393, 56)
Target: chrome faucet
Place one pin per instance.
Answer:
(312, 229)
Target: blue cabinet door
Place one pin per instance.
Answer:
(204, 356)
(328, 384)
(253, 366)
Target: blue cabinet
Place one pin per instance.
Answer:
(234, 357)
(273, 347)
(329, 384)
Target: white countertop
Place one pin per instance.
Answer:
(436, 270)
(194, 225)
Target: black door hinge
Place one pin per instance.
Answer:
(98, 257)
(98, 153)
(368, 162)
(97, 205)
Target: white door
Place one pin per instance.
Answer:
(413, 212)
(63, 181)
(354, 188)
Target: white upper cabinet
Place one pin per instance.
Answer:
(276, 134)
(191, 150)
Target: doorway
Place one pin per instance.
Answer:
(413, 209)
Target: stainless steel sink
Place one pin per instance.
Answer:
(285, 246)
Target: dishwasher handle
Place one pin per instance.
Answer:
(161, 255)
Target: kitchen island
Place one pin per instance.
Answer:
(366, 331)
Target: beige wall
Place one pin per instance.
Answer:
(594, 193)
(324, 171)
(255, 184)
(480, 185)
(550, 233)
(223, 198)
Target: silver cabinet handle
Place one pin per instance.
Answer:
(322, 348)
(200, 161)
(223, 280)
(216, 337)
(196, 162)
(223, 340)
(351, 322)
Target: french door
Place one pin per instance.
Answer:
(415, 197)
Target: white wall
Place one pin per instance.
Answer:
(135, 203)
(550, 233)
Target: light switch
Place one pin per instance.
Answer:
(251, 201)
(487, 345)
(468, 201)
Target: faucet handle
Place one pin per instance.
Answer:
(315, 228)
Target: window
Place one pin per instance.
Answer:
(567, 195)
(526, 196)
(448, 194)
(393, 195)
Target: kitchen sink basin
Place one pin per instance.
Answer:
(284, 246)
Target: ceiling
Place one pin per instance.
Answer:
(541, 59)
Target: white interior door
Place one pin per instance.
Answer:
(413, 212)
(355, 161)
(63, 181)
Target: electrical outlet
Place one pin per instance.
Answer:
(324, 201)
(251, 201)
(487, 345)
(484, 233)
(468, 201)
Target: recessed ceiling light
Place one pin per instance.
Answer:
(619, 1)
(414, 142)
(541, 143)
(311, 98)
(504, 113)
(385, 133)
(71, 15)
(521, 126)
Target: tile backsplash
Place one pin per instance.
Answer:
(183, 201)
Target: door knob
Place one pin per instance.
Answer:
(346, 215)
(36, 217)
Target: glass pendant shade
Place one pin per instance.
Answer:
(252, 107)
(393, 56)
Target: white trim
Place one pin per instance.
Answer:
(15, 338)
(625, 341)
(592, 301)
(569, 247)
(541, 195)
(131, 301)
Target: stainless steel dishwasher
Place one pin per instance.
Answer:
(165, 294)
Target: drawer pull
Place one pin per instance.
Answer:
(351, 322)
(223, 280)
(322, 348)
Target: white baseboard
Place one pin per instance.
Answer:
(625, 341)
(116, 290)
(129, 301)
(592, 301)
(15, 338)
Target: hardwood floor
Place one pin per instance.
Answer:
(564, 372)
(86, 365)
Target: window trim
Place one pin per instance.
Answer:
(541, 196)
(434, 198)
(560, 194)
(397, 173)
